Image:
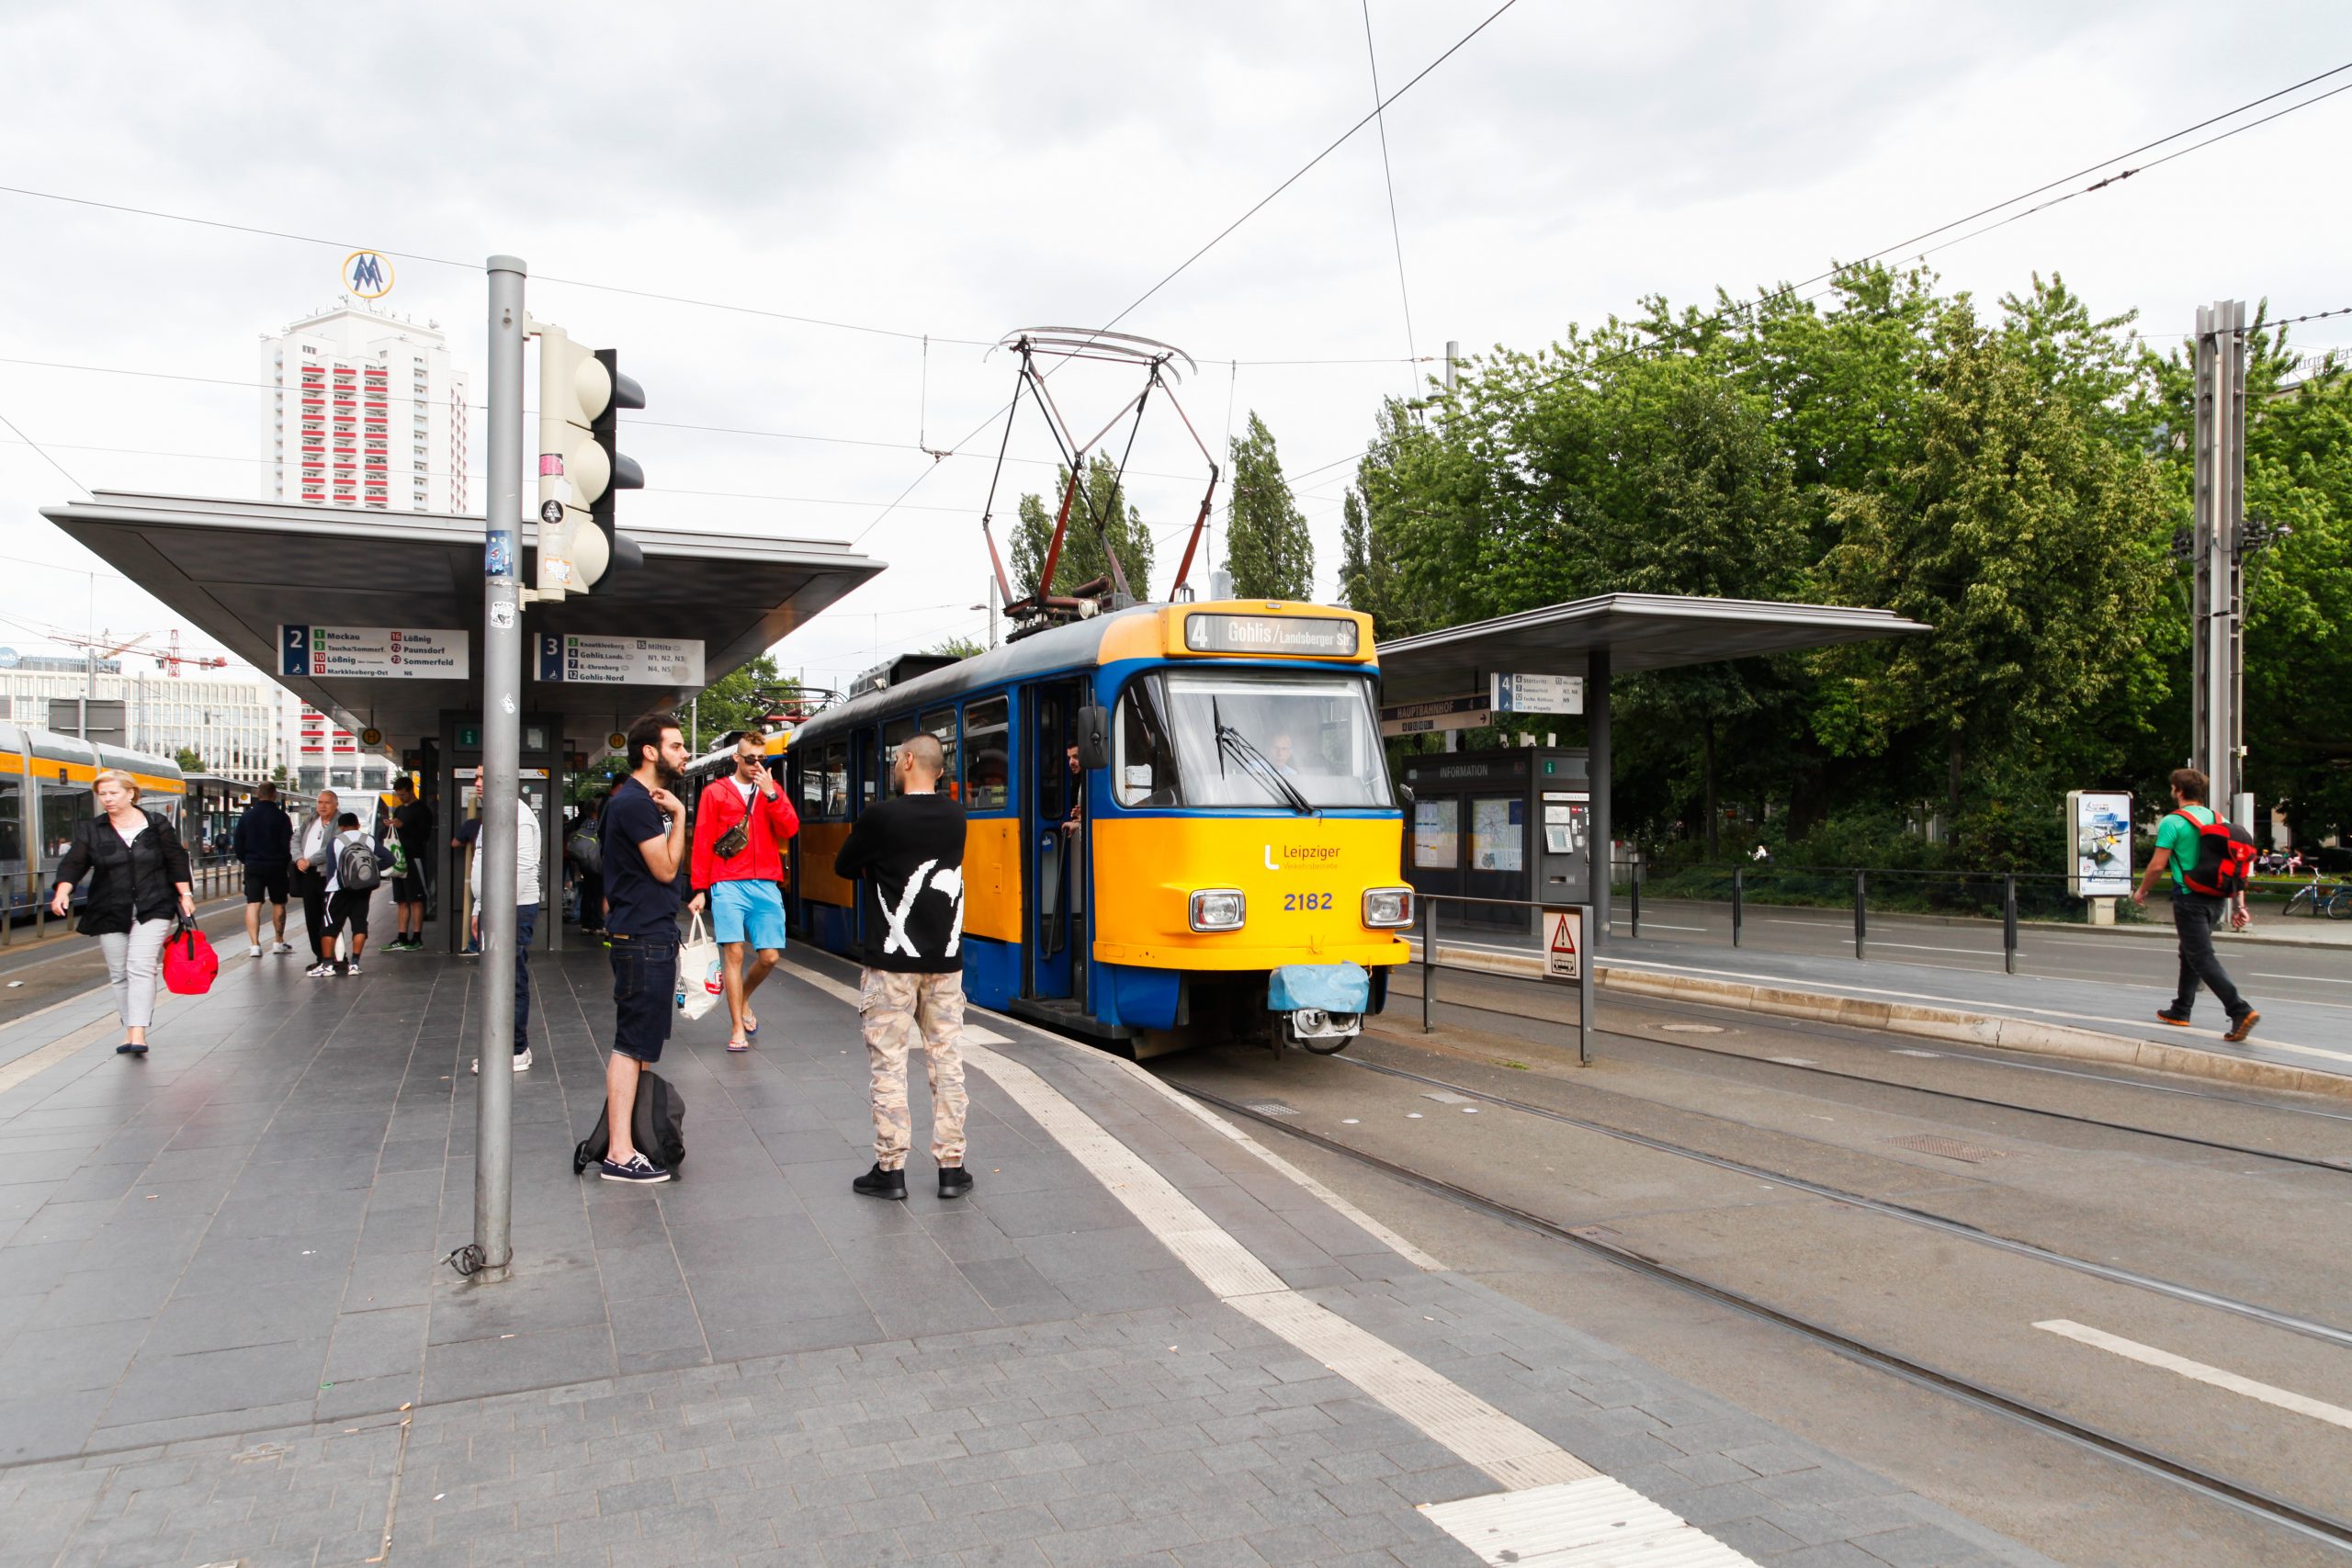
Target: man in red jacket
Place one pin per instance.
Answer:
(741, 824)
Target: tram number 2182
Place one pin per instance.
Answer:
(1307, 900)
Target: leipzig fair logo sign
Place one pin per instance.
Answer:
(366, 275)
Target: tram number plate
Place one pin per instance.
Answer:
(1307, 900)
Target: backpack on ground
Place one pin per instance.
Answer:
(657, 1126)
(2224, 856)
(356, 869)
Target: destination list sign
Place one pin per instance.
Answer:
(380, 653)
(620, 660)
(1314, 637)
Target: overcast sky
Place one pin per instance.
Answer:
(963, 171)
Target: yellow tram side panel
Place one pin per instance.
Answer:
(817, 844)
(991, 872)
(1304, 879)
(60, 770)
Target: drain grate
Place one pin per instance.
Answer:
(1946, 1148)
(1445, 1097)
(1272, 1108)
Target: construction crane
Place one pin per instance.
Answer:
(169, 658)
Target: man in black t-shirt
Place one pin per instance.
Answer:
(909, 851)
(642, 844)
(413, 825)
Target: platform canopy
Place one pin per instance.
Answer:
(1638, 631)
(240, 569)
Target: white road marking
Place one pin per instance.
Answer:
(1597, 1523)
(2148, 1355)
(2321, 979)
(33, 1063)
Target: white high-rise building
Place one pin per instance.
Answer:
(364, 411)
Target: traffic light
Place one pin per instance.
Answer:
(581, 394)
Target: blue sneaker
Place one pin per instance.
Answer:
(638, 1168)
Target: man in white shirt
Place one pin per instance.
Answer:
(526, 918)
(314, 847)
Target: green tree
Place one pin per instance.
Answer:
(741, 698)
(189, 760)
(1267, 548)
(957, 647)
(1082, 559)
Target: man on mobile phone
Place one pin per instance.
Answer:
(741, 824)
(643, 844)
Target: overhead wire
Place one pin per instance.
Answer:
(1388, 178)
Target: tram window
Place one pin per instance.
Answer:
(64, 810)
(1144, 770)
(895, 734)
(812, 786)
(12, 820)
(988, 732)
(869, 773)
(940, 722)
(1234, 734)
(836, 801)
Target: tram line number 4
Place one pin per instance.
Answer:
(1563, 942)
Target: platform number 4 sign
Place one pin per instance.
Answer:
(1564, 942)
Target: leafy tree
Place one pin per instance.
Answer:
(957, 647)
(189, 760)
(742, 697)
(1081, 558)
(1267, 548)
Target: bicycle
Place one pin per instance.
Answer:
(2335, 902)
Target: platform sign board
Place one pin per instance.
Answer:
(2098, 839)
(382, 653)
(1444, 712)
(1535, 693)
(620, 660)
(1564, 942)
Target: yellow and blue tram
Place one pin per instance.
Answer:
(45, 794)
(1181, 823)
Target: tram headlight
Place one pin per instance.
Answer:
(1218, 910)
(1388, 908)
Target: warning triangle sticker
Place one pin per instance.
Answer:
(1563, 938)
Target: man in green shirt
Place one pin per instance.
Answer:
(2194, 914)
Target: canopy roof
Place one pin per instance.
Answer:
(236, 570)
(1639, 631)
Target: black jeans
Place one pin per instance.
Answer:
(313, 889)
(2194, 915)
(526, 919)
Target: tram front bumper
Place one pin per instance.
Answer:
(1321, 1001)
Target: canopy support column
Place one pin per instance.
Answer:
(1597, 765)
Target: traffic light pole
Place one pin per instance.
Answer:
(501, 677)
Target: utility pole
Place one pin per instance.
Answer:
(2218, 602)
(502, 679)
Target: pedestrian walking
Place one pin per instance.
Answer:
(264, 843)
(526, 920)
(909, 853)
(413, 825)
(138, 891)
(642, 847)
(354, 874)
(2195, 914)
(741, 824)
(586, 852)
(313, 848)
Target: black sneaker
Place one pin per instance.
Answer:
(954, 1182)
(2168, 1015)
(880, 1183)
(636, 1168)
(128, 1049)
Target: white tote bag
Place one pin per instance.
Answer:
(702, 979)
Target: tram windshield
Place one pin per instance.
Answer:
(1234, 738)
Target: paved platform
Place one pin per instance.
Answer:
(227, 1335)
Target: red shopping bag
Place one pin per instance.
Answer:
(189, 962)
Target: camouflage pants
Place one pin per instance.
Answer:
(897, 1009)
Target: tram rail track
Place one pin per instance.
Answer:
(2309, 1522)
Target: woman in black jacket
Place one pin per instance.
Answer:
(138, 885)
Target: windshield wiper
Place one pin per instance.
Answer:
(1261, 768)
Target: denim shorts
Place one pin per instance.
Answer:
(645, 994)
(748, 911)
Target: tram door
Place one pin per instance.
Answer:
(1056, 854)
(867, 783)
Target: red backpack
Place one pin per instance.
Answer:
(189, 962)
(2224, 857)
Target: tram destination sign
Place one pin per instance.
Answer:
(1307, 636)
(620, 660)
(384, 653)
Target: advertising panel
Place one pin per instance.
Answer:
(2099, 844)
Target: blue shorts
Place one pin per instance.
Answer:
(748, 911)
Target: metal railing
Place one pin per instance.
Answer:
(1425, 918)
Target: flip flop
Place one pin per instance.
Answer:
(751, 1024)
(738, 1044)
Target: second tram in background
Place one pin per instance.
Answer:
(45, 780)
(1181, 823)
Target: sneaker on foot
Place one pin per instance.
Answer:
(636, 1168)
(283, 947)
(522, 1061)
(880, 1183)
(354, 969)
(2243, 1026)
(319, 971)
(2173, 1016)
(252, 950)
(954, 1182)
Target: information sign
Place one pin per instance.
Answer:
(1312, 637)
(1564, 942)
(1537, 694)
(620, 660)
(2098, 832)
(1444, 712)
(384, 653)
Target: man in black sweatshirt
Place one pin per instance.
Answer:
(909, 853)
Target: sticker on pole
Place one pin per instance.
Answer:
(1563, 943)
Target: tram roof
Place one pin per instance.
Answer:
(1072, 646)
(1639, 631)
(238, 569)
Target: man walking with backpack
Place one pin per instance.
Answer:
(2208, 877)
(353, 876)
(265, 843)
